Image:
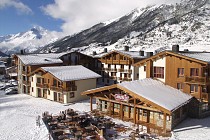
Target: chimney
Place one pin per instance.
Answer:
(149, 54)
(105, 50)
(21, 51)
(141, 53)
(94, 53)
(126, 48)
(175, 48)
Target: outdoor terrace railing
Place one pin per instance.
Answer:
(196, 79)
(44, 85)
(124, 70)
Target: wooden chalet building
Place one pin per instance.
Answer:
(62, 83)
(117, 66)
(146, 102)
(29, 63)
(185, 70)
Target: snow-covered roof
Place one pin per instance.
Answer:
(157, 92)
(132, 54)
(36, 60)
(52, 55)
(71, 73)
(203, 56)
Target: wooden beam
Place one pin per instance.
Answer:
(91, 103)
(134, 112)
(138, 106)
(164, 122)
(121, 111)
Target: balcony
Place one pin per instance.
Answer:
(72, 88)
(58, 89)
(198, 80)
(124, 71)
(27, 83)
(124, 79)
(204, 96)
(44, 85)
(109, 69)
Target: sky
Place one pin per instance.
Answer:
(67, 16)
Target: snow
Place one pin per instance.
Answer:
(18, 116)
(36, 60)
(165, 96)
(198, 55)
(18, 119)
(71, 73)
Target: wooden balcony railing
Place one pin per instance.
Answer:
(72, 88)
(60, 89)
(204, 96)
(201, 80)
(44, 85)
(110, 69)
(124, 79)
(27, 83)
(124, 70)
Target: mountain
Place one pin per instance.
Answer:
(153, 28)
(31, 40)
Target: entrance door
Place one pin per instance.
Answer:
(55, 96)
(39, 92)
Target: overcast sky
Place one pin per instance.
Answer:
(68, 16)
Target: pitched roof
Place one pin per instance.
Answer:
(132, 54)
(203, 56)
(36, 60)
(158, 93)
(71, 73)
(53, 55)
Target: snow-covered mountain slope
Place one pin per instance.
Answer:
(31, 40)
(153, 28)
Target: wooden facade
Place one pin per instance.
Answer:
(187, 74)
(117, 67)
(136, 108)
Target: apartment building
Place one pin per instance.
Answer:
(117, 66)
(146, 102)
(27, 64)
(185, 70)
(62, 83)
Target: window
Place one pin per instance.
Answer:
(180, 86)
(54, 82)
(38, 80)
(158, 72)
(194, 71)
(137, 76)
(180, 72)
(32, 79)
(145, 68)
(48, 92)
(71, 95)
(193, 88)
(32, 89)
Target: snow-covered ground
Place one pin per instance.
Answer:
(18, 119)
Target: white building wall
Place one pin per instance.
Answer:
(160, 63)
(33, 84)
(142, 73)
(82, 85)
(19, 76)
(135, 71)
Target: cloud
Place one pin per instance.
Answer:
(81, 14)
(19, 6)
